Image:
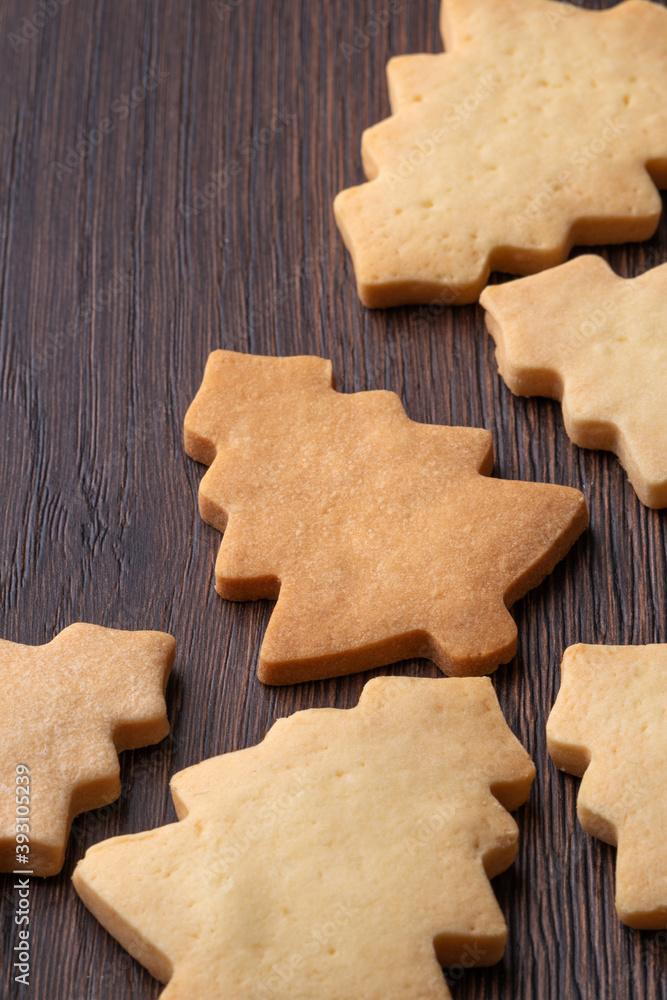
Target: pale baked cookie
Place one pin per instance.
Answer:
(344, 857)
(67, 709)
(542, 126)
(380, 538)
(609, 723)
(581, 334)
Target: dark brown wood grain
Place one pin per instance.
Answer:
(118, 275)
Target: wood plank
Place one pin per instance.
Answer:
(99, 517)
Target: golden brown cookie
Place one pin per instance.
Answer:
(581, 334)
(542, 126)
(67, 710)
(609, 724)
(343, 857)
(379, 537)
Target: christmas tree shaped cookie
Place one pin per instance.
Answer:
(345, 856)
(68, 709)
(609, 724)
(543, 125)
(381, 538)
(598, 342)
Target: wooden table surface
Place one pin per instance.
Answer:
(119, 273)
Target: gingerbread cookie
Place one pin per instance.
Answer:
(609, 724)
(288, 856)
(542, 126)
(68, 709)
(597, 342)
(379, 537)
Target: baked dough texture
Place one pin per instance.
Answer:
(598, 342)
(345, 856)
(67, 709)
(379, 537)
(609, 724)
(541, 127)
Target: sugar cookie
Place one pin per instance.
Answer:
(68, 709)
(609, 724)
(542, 126)
(379, 537)
(343, 857)
(598, 342)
